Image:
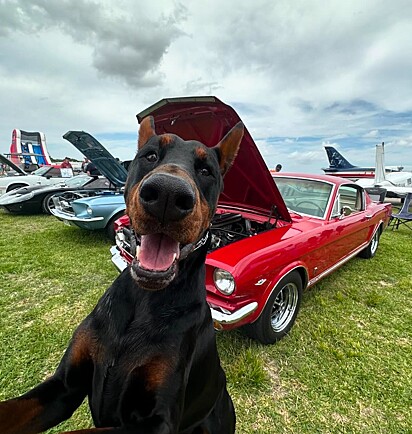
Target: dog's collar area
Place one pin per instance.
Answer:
(190, 248)
(184, 252)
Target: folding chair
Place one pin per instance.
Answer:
(404, 217)
(377, 194)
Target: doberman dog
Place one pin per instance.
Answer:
(146, 356)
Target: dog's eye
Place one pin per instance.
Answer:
(204, 172)
(152, 157)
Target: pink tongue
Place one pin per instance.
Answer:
(157, 252)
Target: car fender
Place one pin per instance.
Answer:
(119, 209)
(11, 187)
(274, 279)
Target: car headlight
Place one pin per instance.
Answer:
(224, 281)
(89, 210)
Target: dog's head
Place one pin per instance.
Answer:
(171, 196)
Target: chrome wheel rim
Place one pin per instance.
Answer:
(284, 307)
(374, 243)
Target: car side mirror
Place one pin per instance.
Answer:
(345, 211)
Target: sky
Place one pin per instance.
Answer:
(301, 74)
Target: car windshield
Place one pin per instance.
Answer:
(77, 181)
(41, 171)
(305, 196)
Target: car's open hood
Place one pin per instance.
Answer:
(248, 183)
(99, 155)
(5, 160)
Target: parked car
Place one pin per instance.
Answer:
(271, 238)
(39, 198)
(45, 175)
(93, 210)
(92, 213)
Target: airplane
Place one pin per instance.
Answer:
(340, 166)
(397, 184)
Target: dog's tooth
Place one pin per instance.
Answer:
(137, 253)
(174, 256)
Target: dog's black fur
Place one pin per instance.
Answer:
(146, 356)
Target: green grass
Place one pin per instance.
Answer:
(344, 368)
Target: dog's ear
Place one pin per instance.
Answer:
(228, 147)
(146, 131)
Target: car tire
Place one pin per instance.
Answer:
(280, 312)
(370, 251)
(15, 187)
(47, 204)
(110, 225)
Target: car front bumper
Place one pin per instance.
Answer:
(222, 320)
(64, 216)
(117, 259)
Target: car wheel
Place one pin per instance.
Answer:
(280, 312)
(110, 226)
(370, 251)
(47, 204)
(15, 187)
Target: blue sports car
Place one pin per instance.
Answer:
(97, 210)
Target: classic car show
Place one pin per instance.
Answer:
(205, 217)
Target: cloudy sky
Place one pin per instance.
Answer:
(300, 73)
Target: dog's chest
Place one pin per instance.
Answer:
(133, 358)
(141, 340)
(124, 375)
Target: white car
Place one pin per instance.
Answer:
(45, 175)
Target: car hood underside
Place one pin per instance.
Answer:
(248, 184)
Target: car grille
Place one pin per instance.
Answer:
(63, 202)
(126, 242)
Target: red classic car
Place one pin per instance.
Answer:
(272, 237)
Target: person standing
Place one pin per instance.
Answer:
(66, 164)
(84, 164)
(92, 170)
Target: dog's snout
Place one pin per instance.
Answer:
(167, 197)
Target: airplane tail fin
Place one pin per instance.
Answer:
(337, 160)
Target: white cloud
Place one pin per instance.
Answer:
(337, 71)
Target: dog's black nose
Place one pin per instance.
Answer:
(167, 197)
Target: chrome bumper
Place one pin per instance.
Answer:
(221, 318)
(117, 259)
(71, 218)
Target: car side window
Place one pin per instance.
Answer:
(348, 196)
(54, 173)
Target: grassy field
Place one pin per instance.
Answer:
(344, 368)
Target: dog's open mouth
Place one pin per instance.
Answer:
(155, 263)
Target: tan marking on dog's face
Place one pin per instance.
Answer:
(185, 231)
(133, 208)
(201, 153)
(165, 139)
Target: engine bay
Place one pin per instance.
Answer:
(227, 228)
